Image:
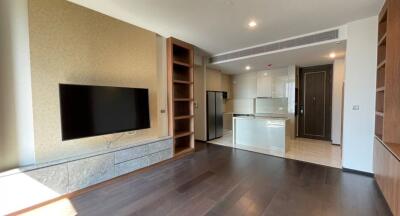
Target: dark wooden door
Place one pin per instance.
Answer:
(315, 102)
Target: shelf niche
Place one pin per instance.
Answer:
(182, 73)
(180, 95)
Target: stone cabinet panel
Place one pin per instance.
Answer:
(154, 158)
(90, 171)
(33, 185)
(131, 153)
(166, 154)
(54, 178)
(130, 166)
(160, 156)
(159, 146)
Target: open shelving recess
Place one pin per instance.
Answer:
(180, 95)
(387, 115)
(381, 74)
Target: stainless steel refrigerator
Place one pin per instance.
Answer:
(215, 114)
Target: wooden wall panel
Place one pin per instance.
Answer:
(387, 175)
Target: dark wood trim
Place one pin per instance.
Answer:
(357, 172)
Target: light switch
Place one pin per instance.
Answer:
(356, 107)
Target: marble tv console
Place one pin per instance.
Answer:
(28, 186)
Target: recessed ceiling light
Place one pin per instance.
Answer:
(248, 67)
(252, 24)
(332, 55)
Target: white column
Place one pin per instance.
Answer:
(359, 94)
(16, 113)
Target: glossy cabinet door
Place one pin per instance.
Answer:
(264, 84)
(262, 135)
(272, 83)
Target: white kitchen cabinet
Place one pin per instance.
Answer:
(272, 83)
(264, 84)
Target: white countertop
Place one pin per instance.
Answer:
(262, 117)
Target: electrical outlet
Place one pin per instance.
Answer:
(356, 107)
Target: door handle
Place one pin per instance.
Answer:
(301, 110)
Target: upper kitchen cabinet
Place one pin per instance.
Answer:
(272, 83)
(264, 84)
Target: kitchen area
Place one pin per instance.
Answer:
(259, 114)
(255, 111)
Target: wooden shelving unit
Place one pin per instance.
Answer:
(180, 95)
(387, 117)
(381, 71)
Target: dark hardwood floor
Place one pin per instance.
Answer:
(223, 181)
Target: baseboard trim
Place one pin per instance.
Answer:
(200, 141)
(358, 172)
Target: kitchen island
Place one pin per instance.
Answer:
(267, 135)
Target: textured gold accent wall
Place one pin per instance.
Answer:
(73, 44)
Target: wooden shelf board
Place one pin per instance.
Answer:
(379, 114)
(380, 89)
(181, 151)
(183, 134)
(379, 137)
(383, 14)
(381, 64)
(182, 63)
(383, 38)
(393, 148)
(183, 117)
(183, 82)
(183, 99)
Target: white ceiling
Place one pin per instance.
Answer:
(218, 26)
(307, 56)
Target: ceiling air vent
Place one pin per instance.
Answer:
(300, 41)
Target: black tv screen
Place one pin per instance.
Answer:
(97, 110)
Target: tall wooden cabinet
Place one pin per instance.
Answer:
(387, 117)
(180, 60)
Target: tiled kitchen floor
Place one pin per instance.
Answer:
(226, 140)
(313, 151)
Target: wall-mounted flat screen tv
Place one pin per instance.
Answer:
(97, 110)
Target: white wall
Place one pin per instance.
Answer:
(16, 115)
(360, 76)
(337, 100)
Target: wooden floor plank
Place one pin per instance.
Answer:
(218, 180)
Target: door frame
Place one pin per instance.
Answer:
(328, 101)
